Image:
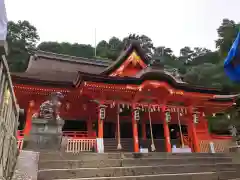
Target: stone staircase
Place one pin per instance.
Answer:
(131, 166)
(110, 145)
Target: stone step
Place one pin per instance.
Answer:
(183, 176)
(133, 171)
(68, 164)
(96, 156)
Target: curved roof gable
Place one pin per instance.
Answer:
(133, 47)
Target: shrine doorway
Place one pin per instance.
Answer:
(74, 125)
(109, 129)
(126, 130)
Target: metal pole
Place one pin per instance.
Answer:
(95, 42)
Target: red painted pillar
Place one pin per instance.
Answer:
(29, 115)
(100, 126)
(193, 133)
(189, 130)
(166, 132)
(101, 118)
(135, 132)
(144, 135)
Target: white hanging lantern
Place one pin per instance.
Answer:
(195, 118)
(167, 116)
(228, 116)
(213, 115)
(102, 111)
(123, 106)
(136, 114)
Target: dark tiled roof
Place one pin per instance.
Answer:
(46, 66)
(152, 75)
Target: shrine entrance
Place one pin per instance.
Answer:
(126, 130)
(109, 130)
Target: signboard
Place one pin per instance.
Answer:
(3, 21)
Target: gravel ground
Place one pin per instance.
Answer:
(27, 166)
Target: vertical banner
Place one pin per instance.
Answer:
(3, 21)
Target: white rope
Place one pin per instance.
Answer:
(119, 146)
(180, 129)
(153, 148)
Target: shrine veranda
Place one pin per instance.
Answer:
(126, 98)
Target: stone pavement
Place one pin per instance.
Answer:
(27, 166)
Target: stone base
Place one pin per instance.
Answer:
(44, 135)
(234, 149)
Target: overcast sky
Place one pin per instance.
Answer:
(170, 23)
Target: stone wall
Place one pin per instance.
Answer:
(9, 113)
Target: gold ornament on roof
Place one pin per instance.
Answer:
(135, 58)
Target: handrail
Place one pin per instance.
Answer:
(6, 70)
(9, 114)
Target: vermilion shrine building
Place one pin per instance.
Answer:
(152, 103)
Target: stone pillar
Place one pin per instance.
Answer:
(192, 131)
(135, 115)
(165, 115)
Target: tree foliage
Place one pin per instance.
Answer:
(198, 65)
(22, 38)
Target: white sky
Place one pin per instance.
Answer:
(170, 23)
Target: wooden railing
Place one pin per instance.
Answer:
(80, 145)
(9, 113)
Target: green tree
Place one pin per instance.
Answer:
(227, 32)
(79, 50)
(115, 48)
(22, 38)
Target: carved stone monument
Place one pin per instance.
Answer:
(46, 131)
(234, 133)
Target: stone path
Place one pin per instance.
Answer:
(27, 166)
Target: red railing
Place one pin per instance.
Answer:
(20, 137)
(75, 134)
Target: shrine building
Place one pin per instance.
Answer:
(126, 104)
